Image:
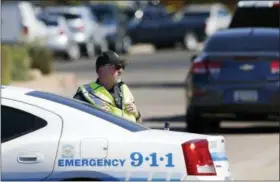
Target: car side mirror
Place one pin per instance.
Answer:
(193, 58)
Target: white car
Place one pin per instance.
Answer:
(50, 137)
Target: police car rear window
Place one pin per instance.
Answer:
(133, 127)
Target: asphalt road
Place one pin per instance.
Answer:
(156, 81)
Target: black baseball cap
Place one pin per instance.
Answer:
(110, 57)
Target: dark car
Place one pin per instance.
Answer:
(115, 25)
(236, 77)
(154, 25)
(256, 14)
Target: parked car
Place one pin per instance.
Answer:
(129, 12)
(83, 24)
(20, 24)
(61, 139)
(115, 26)
(153, 24)
(235, 77)
(216, 15)
(60, 38)
(256, 14)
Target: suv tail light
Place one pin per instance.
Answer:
(275, 66)
(198, 159)
(205, 66)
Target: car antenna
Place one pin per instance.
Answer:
(166, 125)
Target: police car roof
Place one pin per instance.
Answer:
(54, 102)
(11, 90)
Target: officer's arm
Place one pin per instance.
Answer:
(79, 96)
(84, 96)
(139, 118)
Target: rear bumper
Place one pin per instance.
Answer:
(208, 178)
(220, 99)
(239, 108)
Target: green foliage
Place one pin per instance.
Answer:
(6, 66)
(42, 58)
(20, 62)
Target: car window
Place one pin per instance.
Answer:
(121, 122)
(103, 14)
(49, 22)
(67, 16)
(222, 12)
(198, 14)
(130, 14)
(16, 123)
(243, 44)
(256, 17)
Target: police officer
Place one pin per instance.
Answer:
(108, 92)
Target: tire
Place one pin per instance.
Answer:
(197, 124)
(104, 46)
(73, 53)
(126, 44)
(90, 50)
(122, 44)
(191, 42)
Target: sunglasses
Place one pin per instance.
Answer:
(118, 67)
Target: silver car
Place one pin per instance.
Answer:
(84, 26)
(60, 38)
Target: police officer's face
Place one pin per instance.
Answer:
(114, 72)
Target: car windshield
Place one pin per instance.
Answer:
(103, 14)
(84, 107)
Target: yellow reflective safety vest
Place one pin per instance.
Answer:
(98, 96)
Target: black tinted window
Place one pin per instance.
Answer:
(68, 16)
(103, 13)
(243, 44)
(49, 22)
(16, 123)
(256, 17)
(196, 14)
(130, 14)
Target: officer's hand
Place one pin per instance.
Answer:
(131, 108)
(105, 108)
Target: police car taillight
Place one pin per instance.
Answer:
(205, 66)
(198, 159)
(276, 4)
(275, 66)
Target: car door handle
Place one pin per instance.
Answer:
(30, 158)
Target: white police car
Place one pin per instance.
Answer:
(49, 137)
